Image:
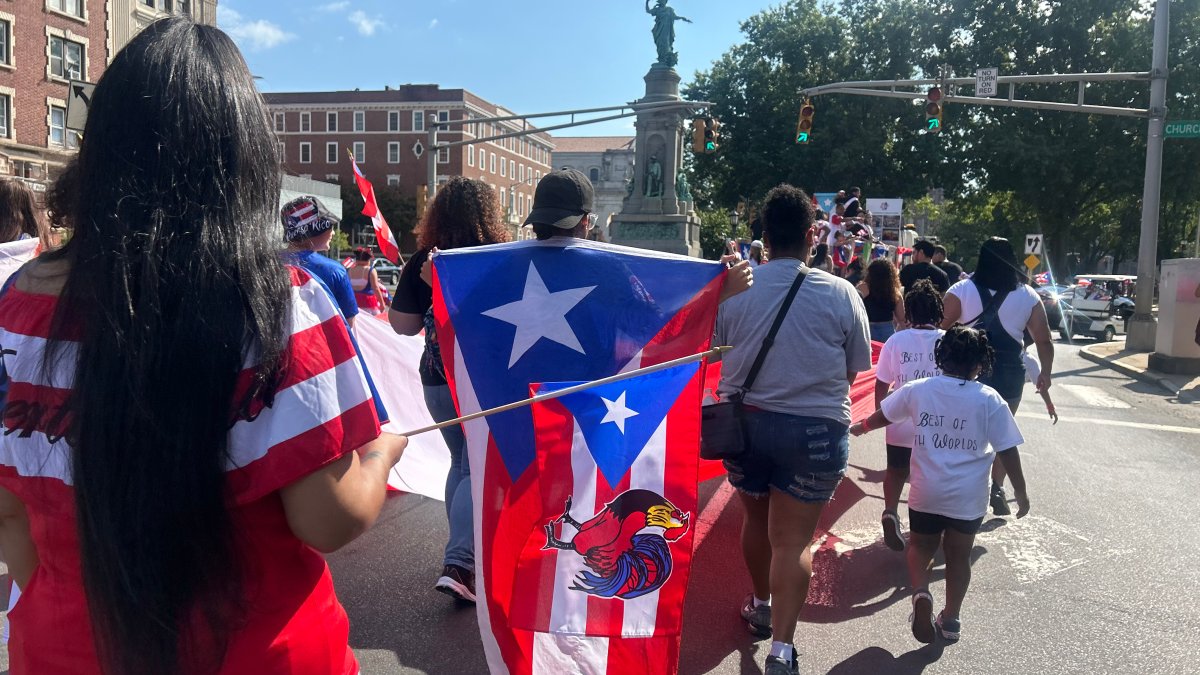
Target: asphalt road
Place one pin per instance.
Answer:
(1097, 579)
(1100, 577)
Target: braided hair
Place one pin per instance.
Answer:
(923, 304)
(961, 350)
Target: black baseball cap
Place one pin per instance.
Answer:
(562, 198)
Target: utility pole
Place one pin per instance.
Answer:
(1142, 325)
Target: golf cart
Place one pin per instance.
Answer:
(1097, 306)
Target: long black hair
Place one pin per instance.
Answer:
(997, 269)
(174, 278)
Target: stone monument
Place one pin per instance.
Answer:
(658, 213)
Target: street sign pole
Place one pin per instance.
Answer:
(1142, 325)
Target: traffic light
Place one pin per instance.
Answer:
(712, 133)
(698, 128)
(421, 200)
(933, 110)
(804, 126)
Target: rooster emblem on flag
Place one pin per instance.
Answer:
(625, 545)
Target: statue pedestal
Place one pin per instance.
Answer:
(663, 221)
(667, 233)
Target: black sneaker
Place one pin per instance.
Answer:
(999, 501)
(892, 536)
(758, 619)
(778, 666)
(457, 582)
(949, 629)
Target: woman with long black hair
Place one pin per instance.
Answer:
(998, 300)
(186, 423)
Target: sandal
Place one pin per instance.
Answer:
(892, 536)
(922, 616)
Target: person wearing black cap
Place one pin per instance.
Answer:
(562, 207)
(308, 228)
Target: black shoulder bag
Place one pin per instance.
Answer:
(722, 425)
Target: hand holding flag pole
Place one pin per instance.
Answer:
(619, 377)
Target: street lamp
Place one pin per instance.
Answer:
(733, 221)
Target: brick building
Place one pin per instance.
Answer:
(387, 132)
(43, 45)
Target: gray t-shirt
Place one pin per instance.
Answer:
(824, 335)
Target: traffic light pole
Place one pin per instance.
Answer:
(1143, 327)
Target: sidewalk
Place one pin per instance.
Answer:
(1136, 365)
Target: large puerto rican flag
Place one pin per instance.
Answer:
(595, 585)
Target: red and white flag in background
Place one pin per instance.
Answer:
(383, 233)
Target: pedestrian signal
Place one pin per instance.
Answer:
(712, 133)
(933, 110)
(804, 126)
(698, 132)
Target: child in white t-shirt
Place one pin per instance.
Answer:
(961, 426)
(907, 356)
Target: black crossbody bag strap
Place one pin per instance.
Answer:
(770, 339)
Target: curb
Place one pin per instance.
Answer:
(1141, 375)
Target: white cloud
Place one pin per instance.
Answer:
(253, 35)
(433, 24)
(334, 6)
(365, 24)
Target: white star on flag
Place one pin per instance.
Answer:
(540, 314)
(618, 412)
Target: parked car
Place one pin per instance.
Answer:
(389, 274)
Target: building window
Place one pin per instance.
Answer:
(503, 168)
(443, 156)
(393, 180)
(305, 122)
(418, 149)
(72, 7)
(594, 175)
(482, 159)
(418, 121)
(512, 169)
(332, 178)
(492, 166)
(331, 121)
(503, 197)
(306, 153)
(5, 42)
(443, 115)
(360, 151)
(520, 204)
(331, 153)
(470, 155)
(5, 116)
(394, 152)
(394, 120)
(360, 120)
(280, 122)
(66, 58)
(521, 173)
(58, 129)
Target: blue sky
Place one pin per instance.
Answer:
(559, 54)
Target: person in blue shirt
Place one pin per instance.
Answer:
(308, 228)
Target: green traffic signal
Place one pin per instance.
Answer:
(710, 147)
(802, 137)
(935, 124)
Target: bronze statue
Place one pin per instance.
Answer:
(654, 178)
(664, 31)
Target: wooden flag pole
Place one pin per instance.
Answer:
(714, 352)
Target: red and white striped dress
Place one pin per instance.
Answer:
(322, 410)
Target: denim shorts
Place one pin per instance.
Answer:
(802, 456)
(1007, 378)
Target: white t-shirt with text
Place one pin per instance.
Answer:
(959, 427)
(907, 356)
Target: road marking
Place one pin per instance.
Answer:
(1116, 423)
(1095, 396)
(1038, 548)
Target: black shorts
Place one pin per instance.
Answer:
(931, 523)
(898, 456)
